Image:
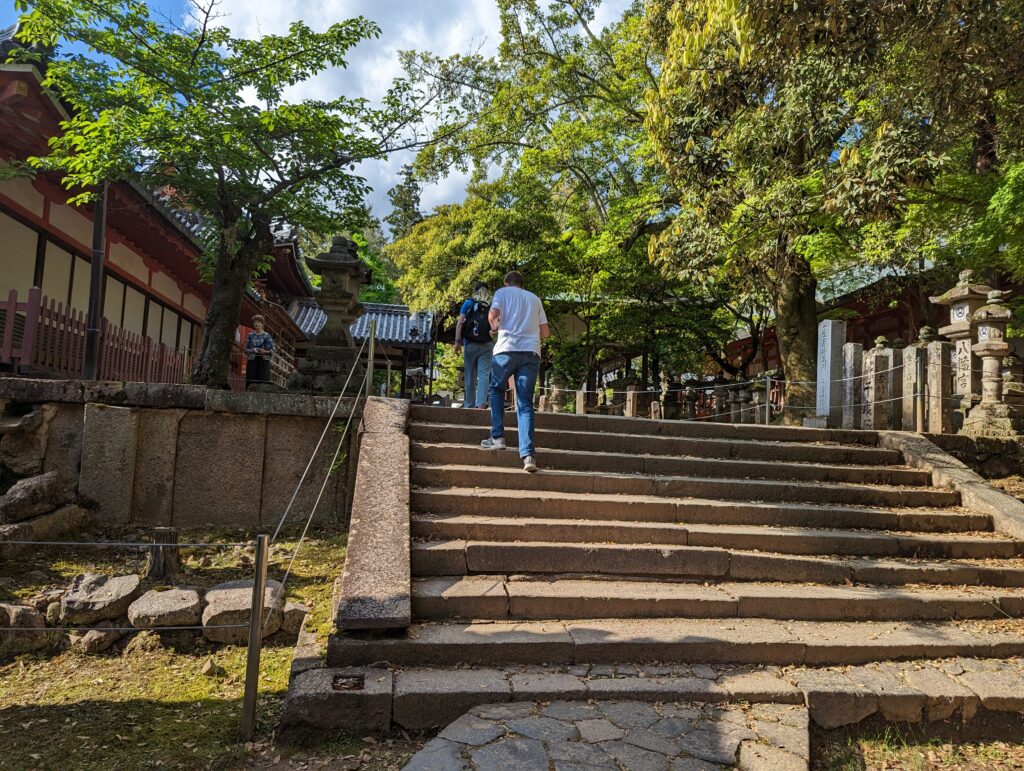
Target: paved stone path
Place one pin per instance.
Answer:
(632, 735)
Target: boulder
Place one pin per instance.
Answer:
(93, 597)
(228, 605)
(33, 496)
(20, 617)
(99, 639)
(173, 607)
(293, 615)
(53, 613)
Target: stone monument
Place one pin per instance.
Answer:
(831, 339)
(333, 357)
(991, 416)
(853, 384)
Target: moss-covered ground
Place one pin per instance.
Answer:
(146, 703)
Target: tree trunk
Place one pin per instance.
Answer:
(796, 324)
(231, 275)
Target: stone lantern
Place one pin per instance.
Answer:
(992, 417)
(333, 357)
(963, 300)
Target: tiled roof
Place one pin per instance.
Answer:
(395, 323)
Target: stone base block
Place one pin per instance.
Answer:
(432, 698)
(355, 700)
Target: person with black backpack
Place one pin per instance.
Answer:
(473, 336)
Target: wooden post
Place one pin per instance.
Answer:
(164, 561)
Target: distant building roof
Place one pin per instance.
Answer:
(396, 324)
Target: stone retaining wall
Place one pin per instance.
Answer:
(187, 456)
(992, 458)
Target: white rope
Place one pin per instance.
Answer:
(320, 441)
(126, 544)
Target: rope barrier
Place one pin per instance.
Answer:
(120, 628)
(126, 544)
(320, 441)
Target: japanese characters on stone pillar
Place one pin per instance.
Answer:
(876, 407)
(991, 416)
(853, 357)
(831, 339)
(963, 300)
(914, 376)
(939, 387)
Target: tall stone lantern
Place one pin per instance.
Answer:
(963, 300)
(329, 362)
(992, 417)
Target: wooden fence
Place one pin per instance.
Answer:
(41, 336)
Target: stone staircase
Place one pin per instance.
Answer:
(688, 542)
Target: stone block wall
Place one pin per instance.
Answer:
(161, 459)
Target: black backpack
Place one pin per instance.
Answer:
(477, 328)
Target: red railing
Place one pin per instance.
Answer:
(41, 336)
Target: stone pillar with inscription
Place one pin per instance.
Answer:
(853, 358)
(992, 416)
(914, 376)
(829, 402)
(963, 300)
(876, 406)
(938, 401)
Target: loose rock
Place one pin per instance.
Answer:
(294, 614)
(93, 597)
(174, 607)
(14, 617)
(228, 605)
(33, 496)
(99, 639)
(53, 614)
(213, 669)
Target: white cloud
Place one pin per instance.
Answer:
(443, 27)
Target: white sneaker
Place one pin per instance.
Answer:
(529, 464)
(490, 443)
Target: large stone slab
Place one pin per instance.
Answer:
(376, 580)
(218, 469)
(155, 461)
(38, 391)
(33, 496)
(64, 440)
(431, 698)
(173, 607)
(229, 607)
(829, 392)
(93, 597)
(109, 441)
(295, 438)
(257, 403)
(21, 630)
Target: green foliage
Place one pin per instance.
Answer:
(405, 203)
(203, 116)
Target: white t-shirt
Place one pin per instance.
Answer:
(521, 317)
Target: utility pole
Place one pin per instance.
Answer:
(92, 323)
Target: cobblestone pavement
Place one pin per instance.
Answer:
(632, 735)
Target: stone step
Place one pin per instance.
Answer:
(775, 539)
(600, 424)
(773, 448)
(458, 557)
(455, 475)
(576, 460)
(498, 597)
(590, 506)
(720, 641)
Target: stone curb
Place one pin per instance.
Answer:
(376, 581)
(975, 493)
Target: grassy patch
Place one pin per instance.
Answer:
(989, 741)
(149, 705)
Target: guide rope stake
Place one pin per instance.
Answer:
(252, 659)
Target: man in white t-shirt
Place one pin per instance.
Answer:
(518, 318)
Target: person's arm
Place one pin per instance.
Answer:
(248, 345)
(494, 318)
(545, 331)
(458, 333)
(268, 346)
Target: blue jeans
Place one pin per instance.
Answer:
(523, 366)
(477, 358)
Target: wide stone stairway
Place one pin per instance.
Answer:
(692, 561)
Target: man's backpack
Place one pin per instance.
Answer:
(477, 328)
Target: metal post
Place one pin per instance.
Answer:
(919, 395)
(369, 357)
(767, 398)
(252, 659)
(92, 323)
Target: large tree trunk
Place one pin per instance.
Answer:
(231, 275)
(796, 324)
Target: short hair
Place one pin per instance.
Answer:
(514, 278)
(258, 317)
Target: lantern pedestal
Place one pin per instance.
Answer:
(993, 416)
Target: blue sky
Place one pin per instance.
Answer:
(442, 26)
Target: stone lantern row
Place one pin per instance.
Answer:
(932, 385)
